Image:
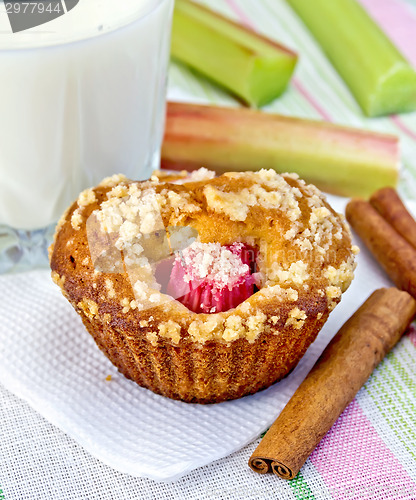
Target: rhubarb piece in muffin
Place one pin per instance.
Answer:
(203, 288)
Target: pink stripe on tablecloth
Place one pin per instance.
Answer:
(398, 22)
(312, 101)
(353, 458)
(240, 13)
(244, 19)
(402, 126)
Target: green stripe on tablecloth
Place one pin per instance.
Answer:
(393, 382)
(301, 489)
(195, 86)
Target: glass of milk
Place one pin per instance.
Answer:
(82, 97)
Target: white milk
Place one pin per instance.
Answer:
(81, 97)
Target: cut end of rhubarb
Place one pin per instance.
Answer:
(395, 94)
(378, 75)
(254, 68)
(211, 278)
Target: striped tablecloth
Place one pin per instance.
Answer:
(370, 453)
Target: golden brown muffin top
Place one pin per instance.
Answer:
(110, 240)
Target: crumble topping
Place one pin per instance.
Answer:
(255, 325)
(280, 293)
(244, 307)
(202, 174)
(231, 204)
(296, 318)
(113, 180)
(333, 292)
(76, 219)
(86, 197)
(152, 337)
(147, 296)
(181, 237)
(296, 273)
(133, 213)
(89, 307)
(133, 216)
(170, 330)
(182, 177)
(180, 202)
(342, 276)
(213, 262)
(279, 195)
(233, 327)
(58, 280)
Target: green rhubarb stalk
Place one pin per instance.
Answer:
(254, 68)
(339, 160)
(377, 74)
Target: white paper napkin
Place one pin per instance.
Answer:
(48, 359)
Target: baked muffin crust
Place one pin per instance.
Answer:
(109, 243)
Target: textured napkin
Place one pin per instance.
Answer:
(48, 359)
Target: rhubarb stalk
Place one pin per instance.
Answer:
(339, 160)
(254, 68)
(377, 74)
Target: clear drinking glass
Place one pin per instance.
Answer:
(82, 97)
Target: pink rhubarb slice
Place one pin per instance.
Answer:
(211, 278)
(340, 160)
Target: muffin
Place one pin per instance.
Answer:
(203, 288)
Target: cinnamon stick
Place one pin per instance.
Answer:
(389, 205)
(346, 363)
(396, 255)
